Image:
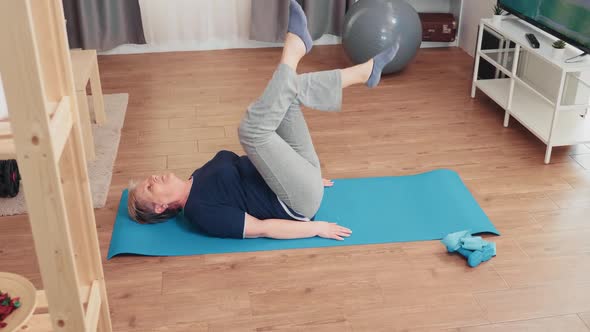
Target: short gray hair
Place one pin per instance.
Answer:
(142, 211)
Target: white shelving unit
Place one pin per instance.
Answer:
(440, 6)
(550, 119)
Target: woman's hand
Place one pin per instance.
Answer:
(327, 183)
(331, 230)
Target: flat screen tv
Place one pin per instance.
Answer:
(568, 20)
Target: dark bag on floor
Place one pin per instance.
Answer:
(9, 178)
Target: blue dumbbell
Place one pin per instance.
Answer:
(476, 257)
(473, 248)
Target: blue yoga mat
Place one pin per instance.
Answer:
(418, 207)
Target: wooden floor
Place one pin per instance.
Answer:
(186, 106)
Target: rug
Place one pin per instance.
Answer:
(100, 170)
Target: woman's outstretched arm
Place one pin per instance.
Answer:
(291, 229)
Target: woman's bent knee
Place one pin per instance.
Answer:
(246, 132)
(313, 200)
(252, 134)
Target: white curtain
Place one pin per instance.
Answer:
(204, 22)
(187, 25)
(181, 25)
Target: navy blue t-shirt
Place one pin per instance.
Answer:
(224, 190)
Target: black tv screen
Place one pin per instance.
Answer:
(568, 20)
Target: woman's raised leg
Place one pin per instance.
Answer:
(296, 181)
(274, 133)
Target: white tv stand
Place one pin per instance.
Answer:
(552, 121)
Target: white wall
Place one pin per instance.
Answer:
(3, 107)
(473, 12)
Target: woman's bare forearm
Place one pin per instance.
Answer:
(284, 229)
(291, 229)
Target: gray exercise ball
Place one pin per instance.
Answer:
(371, 26)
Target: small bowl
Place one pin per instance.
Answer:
(17, 286)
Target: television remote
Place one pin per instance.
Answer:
(532, 40)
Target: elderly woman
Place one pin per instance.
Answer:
(277, 188)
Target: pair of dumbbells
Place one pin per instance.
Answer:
(475, 249)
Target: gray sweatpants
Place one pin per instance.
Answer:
(276, 138)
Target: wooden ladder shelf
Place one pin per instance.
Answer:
(44, 136)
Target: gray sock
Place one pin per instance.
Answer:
(379, 62)
(298, 24)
